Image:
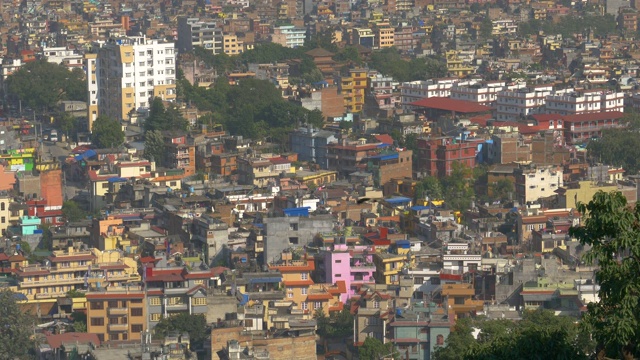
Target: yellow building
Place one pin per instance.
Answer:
(231, 44)
(459, 300)
(74, 270)
(296, 279)
(389, 266)
(116, 315)
(456, 67)
(353, 88)
(5, 213)
(385, 36)
(569, 197)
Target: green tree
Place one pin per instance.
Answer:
(195, 325)
(79, 320)
(374, 349)
(612, 229)
(66, 122)
(429, 186)
(73, 293)
(458, 343)
(154, 147)
(502, 189)
(486, 27)
(161, 118)
(72, 212)
(41, 84)
(17, 328)
(458, 189)
(107, 133)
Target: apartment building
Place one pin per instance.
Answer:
(117, 314)
(175, 290)
(91, 66)
(131, 71)
(535, 182)
(296, 279)
(421, 89)
(389, 266)
(345, 156)
(5, 213)
(353, 88)
(457, 259)
(193, 32)
(261, 171)
(354, 266)
(232, 45)
(181, 152)
(437, 156)
(363, 37)
(513, 105)
(373, 312)
(580, 128)
(289, 36)
(311, 144)
(384, 36)
(459, 299)
(575, 102)
(212, 234)
(481, 93)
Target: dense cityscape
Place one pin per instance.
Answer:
(319, 179)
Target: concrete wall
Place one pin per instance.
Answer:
(51, 187)
(292, 232)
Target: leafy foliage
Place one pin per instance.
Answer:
(431, 187)
(154, 147)
(374, 349)
(389, 62)
(502, 189)
(106, 133)
(254, 108)
(15, 337)
(612, 230)
(618, 147)
(337, 325)
(161, 118)
(72, 212)
(194, 325)
(538, 333)
(41, 84)
(601, 25)
(79, 320)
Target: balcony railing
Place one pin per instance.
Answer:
(118, 311)
(51, 282)
(118, 327)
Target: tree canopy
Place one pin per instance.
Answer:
(154, 147)
(106, 133)
(612, 229)
(16, 325)
(164, 118)
(72, 212)
(195, 325)
(389, 62)
(537, 335)
(374, 349)
(337, 325)
(601, 25)
(41, 84)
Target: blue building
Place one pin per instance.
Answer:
(311, 144)
(417, 332)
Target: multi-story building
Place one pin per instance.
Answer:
(283, 233)
(389, 266)
(364, 37)
(289, 36)
(193, 32)
(353, 88)
(459, 299)
(91, 66)
(117, 314)
(231, 44)
(181, 153)
(520, 103)
(212, 234)
(175, 290)
(419, 331)
(5, 213)
(345, 157)
(311, 144)
(535, 182)
(574, 102)
(384, 36)
(130, 72)
(261, 171)
(582, 127)
(437, 156)
(373, 312)
(458, 260)
(296, 279)
(422, 89)
(481, 93)
(403, 38)
(353, 266)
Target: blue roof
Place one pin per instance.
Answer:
(297, 212)
(265, 280)
(86, 155)
(420, 207)
(398, 200)
(383, 145)
(116, 179)
(385, 156)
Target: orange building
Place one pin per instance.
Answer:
(51, 187)
(296, 278)
(459, 300)
(116, 315)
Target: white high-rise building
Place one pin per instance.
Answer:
(130, 72)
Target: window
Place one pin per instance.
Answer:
(2, 206)
(304, 291)
(200, 301)
(95, 321)
(440, 340)
(293, 240)
(97, 305)
(113, 320)
(304, 276)
(292, 226)
(136, 328)
(3, 220)
(112, 304)
(304, 306)
(376, 304)
(134, 301)
(136, 312)
(289, 295)
(155, 317)
(113, 337)
(154, 301)
(459, 301)
(317, 305)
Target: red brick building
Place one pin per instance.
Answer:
(436, 156)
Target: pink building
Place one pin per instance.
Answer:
(353, 265)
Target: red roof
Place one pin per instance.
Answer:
(279, 161)
(607, 115)
(341, 288)
(4, 257)
(148, 259)
(298, 283)
(384, 138)
(447, 104)
(322, 296)
(545, 118)
(57, 340)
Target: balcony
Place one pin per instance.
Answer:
(118, 311)
(51, 282)
(363, 268)
(172, 291)
(118, 327)
(177, 307)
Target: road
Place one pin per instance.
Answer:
(60, 152)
